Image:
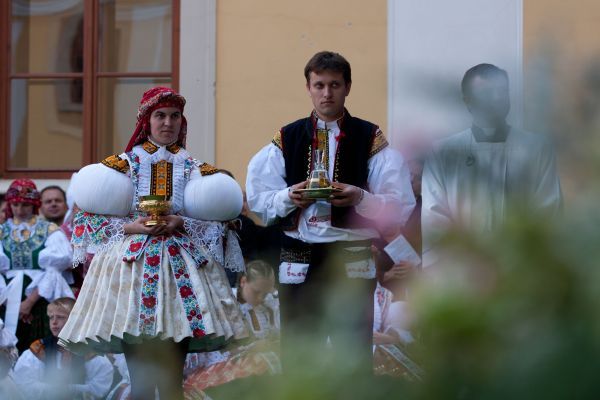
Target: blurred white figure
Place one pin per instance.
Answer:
(8, 357)
(476, 178)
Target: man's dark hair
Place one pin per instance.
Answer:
(328, 61)
(483, 71)
(55, 188)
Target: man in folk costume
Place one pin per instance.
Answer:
(35, 257)
(476, 178)
(155, 291)
(326, 272)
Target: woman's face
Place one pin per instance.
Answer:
(165, 124)
(254, 292)
(22, 211)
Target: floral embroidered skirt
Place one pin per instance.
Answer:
(159, 287)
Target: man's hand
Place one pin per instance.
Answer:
(349, 196)
(296, 198)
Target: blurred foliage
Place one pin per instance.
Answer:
(514, 314)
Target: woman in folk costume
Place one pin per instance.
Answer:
(34, 256)
(155, 292)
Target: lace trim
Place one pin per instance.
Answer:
(234, 259)
(207, 235)
(211, 237)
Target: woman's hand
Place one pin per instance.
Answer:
(25, 311)
(173, 223)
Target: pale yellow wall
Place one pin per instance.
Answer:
(262, 47)
(562, 84)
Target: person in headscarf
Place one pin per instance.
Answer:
(155, 292)
(34, 260)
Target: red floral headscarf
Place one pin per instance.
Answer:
(155, 98)
(22, 191)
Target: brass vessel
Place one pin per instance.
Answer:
(157, 207)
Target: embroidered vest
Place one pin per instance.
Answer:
(359, 141)
(24, 254)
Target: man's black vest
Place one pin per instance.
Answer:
(351, 162)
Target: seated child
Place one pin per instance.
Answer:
(47, 371)
(260, 307)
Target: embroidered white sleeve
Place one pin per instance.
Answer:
(99, 242)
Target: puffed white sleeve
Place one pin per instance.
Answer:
(28, 375)
(205, 219)
(390, 195)
(98, 378)
(104, 194)
(266, 188)
(99, 189)
(55, 258)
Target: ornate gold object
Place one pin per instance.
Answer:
(157, 207)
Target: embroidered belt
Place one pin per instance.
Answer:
(297, 251)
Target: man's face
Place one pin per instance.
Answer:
(488, 100)
(328, 92)
(53, 204)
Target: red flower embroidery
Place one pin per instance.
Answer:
(198, 332)
(153, 260)
(149, 302)
(173, 250)
(79, 230)
(133, 247)
(185, 291)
